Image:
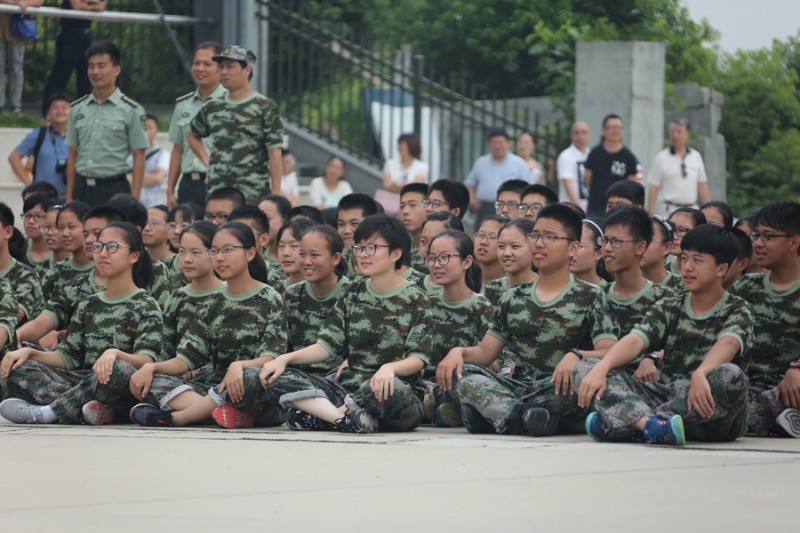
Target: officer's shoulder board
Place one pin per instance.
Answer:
(79, 100)
(130, 101)
(184, 97)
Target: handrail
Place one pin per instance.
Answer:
(109, 16)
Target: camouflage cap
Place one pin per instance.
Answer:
(237, 53)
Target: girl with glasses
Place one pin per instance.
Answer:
(34, 213)
(156, 236)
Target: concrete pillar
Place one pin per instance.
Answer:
(626, 78)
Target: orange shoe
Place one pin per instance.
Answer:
(229, 417)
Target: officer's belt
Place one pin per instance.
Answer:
(194, 176)
(102, 181)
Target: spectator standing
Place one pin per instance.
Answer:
(678, 177)
(608, 162)
(12, 57)
(47, 146)
(526, 148)
(491, 170)
(156, 166)
(73, 39)
(571, 167)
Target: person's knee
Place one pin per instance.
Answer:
(581, 369)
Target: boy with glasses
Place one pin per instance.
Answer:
(534, 198)
(221, 202)
(509, 196)
(447, 195)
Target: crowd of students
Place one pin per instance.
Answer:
(631, 328)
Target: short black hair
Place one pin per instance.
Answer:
(609, 117)
(455, 194)
(450, 220)
(306, 211)
(783, 215)
(725, 210)
(56, 97)
(745, 244)
(358, 200)
(134, 211)
(516, 186)
(630, 190)
(251, 212)
(550, 197)
(227, 193)
(105, 47)
(391, 230)
(150, 116)
(106, 212)
(717, 242)
(281, 203)
(42, 200)
(190, 212)
(634, 219)
(565, 216)
(40, 187)
(497, 132)
(419, 188)
(6, 215)
(209, 45)
(697, 216)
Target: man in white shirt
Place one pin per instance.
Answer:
(678, 176)
(571, 184)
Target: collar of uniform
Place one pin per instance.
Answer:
(672, 150)
(115, 97)
(219, 92)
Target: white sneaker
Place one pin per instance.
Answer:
(20, 412)
(789, 419)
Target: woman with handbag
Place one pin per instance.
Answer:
(15, 32)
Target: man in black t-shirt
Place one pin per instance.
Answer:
(73, 39)
(608, 162)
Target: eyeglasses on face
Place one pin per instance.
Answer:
(226, 250)
(216, 218)
(436, 204)
(547, 238)
(368, 249)
(441, 260)
(38, 216)
(511, 204)
(615, 243)
(481, 236)
(533, 208)
(111, 247)
(766, 237)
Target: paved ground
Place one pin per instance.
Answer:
(124, 478)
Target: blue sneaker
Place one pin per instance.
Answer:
(664, 431)
(594, 428)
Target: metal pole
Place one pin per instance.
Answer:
(107, 16)
(419, 62)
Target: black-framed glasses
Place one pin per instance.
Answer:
(44, 229)
(681, 231)
(38, 216)
(216, 218)
(111, 247)
(615, 243)
(766, 237)
(225, 250)
(533, 208)
(174, 226)
(441, 260)
(547, 238)
(368, 249)
(436, 204)
(481, 236)
(500, 204)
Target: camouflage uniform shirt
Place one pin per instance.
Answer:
(629, 311)
(494, 289)
(185, 308)
(60, 273)
(454, 324)
(66, 297)
(25, 285)
(8, 315)
(417, 262)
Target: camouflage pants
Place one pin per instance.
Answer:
(500, 399)
(627, 400)
(67, 390)
(762, 409)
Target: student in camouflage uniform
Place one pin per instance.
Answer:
(289, 237)
(378, 323)
(653, 262)
(276, 209)
(352, 210)
(104, 127)
(245, 129)
(585, 263)
(434, 224)
(702, 394)
(34, 214)
(486, 253)
(117, 329)
(49, 230)
(682, 220)
(21, 278)
(459, 315)
(245, 329)
(308, 305)
(69, 224)
(412, 215)
(550, 324)
(512, 257)
(627, 234)
(8, 320)
(774, 299)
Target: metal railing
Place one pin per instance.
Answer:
(362, 100)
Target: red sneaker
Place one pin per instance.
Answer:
(229, 417)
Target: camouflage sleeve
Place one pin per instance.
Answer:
(8, 312)
(498, 328)
(485, 317)
(28, 293)
(292, 316)
(603, 326)
(273, 128)
(333, 334)
(170, 328)
(72, 348)
(418, 341)
(149, 330)
(654, 326)
(49, 282)
(161, 288)
(273, 340)
(175, 135)
(137, 131)
(194, 347)
(739, 325)
(199, 125)
(59, 307)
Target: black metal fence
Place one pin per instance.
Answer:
(362, 96)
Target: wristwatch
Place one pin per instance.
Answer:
(795, 365)
(577, 352)
(654, 357)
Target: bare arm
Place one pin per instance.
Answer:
(473, 198)
(652, 199)
(138, 173)
(175, 159)
(88, 5)
(15, 160)
(275, 169)
(154, 178)
(35, 329)
(197, 146)
(573, 196)
(587, 177)
(700, 398)
(703, 192)
(71, 172)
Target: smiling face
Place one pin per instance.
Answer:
(205, 70)
(585, 260)
(446, 249)
(628, 256)
(317, 262)
(700, 271)
(193, 257)
(70, 231)
(775, 251)
(232, 75)
(233, 260)
(381, 262)
(102, 72)
(514, 251)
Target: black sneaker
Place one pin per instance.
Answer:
(359, 421)
(536, 421)
(148, 415)
(474, 421)
(302, 421)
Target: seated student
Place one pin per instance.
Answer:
(458, 315)
(289, 237)
(515, 256)
(718, 213)
(739, 266)
(69, 227)
(624, 192)
(221, 340)
(748, 226)
(447, 195)
(8, 322)
(701, 395)
(682, 221)
(277, 208)
(628, 233)
(534, 198)
(60, 306)
(34, 213)
(485, 239)
(509, 196)
(584, 265)
(220, 202)
(40, 187)
(156, 237)
(117, 327)
(351, 211)
(653, 263)
(49, 230)
(412, 215)
(179, 218)
(21, 278)
(434, 224)
(308, 305)
(254, 218)
(774, 371)
(308, 212)
(551, 324)
(380, 323)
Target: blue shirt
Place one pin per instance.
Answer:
(53, 150)
(487, 174)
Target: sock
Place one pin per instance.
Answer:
(48, 416)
